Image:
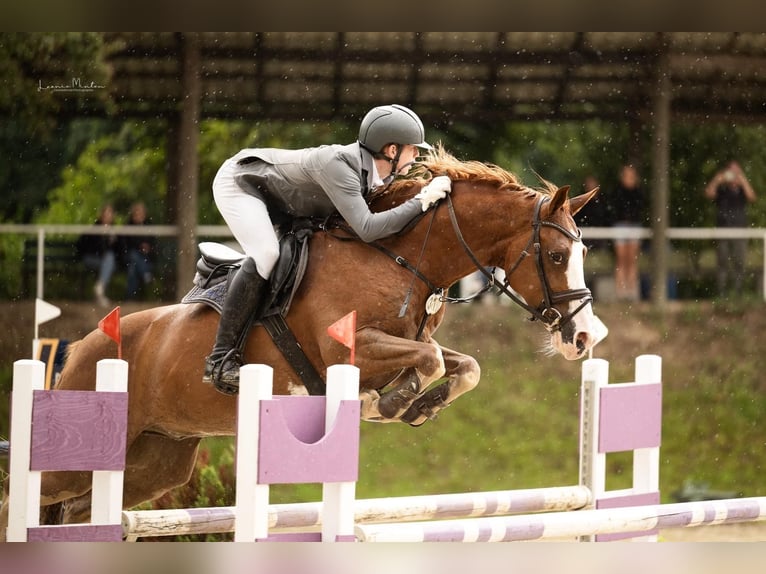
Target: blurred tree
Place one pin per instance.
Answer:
(562, 152)
(35, 135)
(117, 168)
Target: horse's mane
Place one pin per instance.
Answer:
(439, 161)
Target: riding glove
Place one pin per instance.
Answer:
(437, 189)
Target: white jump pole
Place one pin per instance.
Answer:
(570, 524)
(301, 516)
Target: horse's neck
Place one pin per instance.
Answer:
(488, 221)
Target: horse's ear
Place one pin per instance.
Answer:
(559, 198)
(577, 203)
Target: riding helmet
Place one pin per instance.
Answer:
(391, 124)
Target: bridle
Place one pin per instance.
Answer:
(546, 312)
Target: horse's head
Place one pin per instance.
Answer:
(548, 274)
(531, 233)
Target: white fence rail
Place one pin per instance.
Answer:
(221, 231)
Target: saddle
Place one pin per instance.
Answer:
(218, 264)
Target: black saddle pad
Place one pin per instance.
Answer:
(211, 296)
(211, 282)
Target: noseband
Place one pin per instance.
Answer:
(546, 312)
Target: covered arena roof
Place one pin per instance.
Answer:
(481, 78)
(460, 76)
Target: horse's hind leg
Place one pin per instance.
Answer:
(463, 372)
(155, 464)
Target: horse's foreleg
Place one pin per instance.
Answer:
(463, 372)
(379, 353)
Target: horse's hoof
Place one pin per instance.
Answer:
(416, 423)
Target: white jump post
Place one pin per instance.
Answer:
(616, 418)
(23, 485)
(338, 497)
(255, 386)
(67, 430)
(297, 439)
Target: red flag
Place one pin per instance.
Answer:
(111, 326)
(344, 331)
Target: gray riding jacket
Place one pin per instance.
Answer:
(320, 181)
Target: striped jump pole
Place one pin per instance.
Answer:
(570, 524)
(307, 515)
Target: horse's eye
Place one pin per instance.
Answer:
(557, 257)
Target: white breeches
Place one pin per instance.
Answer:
(248, 219)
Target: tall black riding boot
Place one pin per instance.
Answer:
(222, 365)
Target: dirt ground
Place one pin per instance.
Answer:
(79, 318)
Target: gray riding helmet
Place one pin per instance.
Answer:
(391, 124)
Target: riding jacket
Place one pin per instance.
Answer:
(319, 181)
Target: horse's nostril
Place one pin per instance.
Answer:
(581, 341)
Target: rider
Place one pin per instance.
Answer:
(316, 182)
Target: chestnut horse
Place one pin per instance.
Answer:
(489, 220)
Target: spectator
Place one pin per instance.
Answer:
(139, 253)
(593, 215)
(731, 192)
(99, 253)
(627, 206)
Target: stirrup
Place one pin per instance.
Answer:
(225, 380)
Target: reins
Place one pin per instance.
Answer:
(546, 312)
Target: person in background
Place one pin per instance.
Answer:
(99, 253)
(594, 215)
(627, 206)
(139, 253)
(731, 191)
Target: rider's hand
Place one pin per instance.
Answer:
(436, 189)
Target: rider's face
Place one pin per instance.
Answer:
(408, 155)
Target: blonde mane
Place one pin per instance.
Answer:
(439, 161)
